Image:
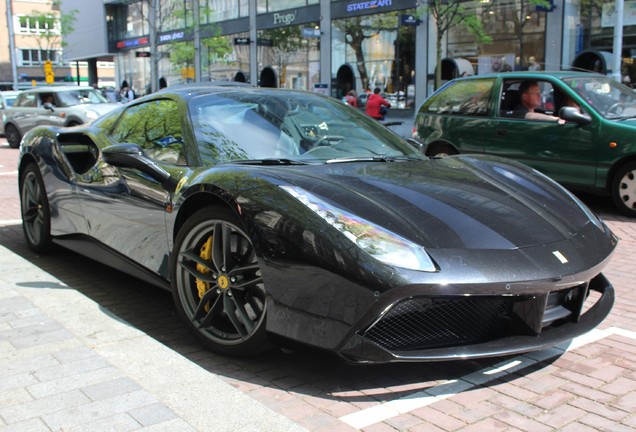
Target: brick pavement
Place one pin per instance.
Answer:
(589, 385)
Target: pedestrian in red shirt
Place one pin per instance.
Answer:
(375, 104)
(352, 99)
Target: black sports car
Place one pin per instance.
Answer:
(271, 212)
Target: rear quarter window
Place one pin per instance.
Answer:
(469, 97)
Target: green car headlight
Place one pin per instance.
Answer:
(378, 242)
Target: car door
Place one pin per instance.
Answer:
(458, 117)
(125, 208)
(47, 116)
(24, 112)
(565, 152)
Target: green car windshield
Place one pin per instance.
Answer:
(283, 127)
(609, 98)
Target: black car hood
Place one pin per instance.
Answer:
(464, 202)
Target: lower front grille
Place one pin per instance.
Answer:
(425, 322)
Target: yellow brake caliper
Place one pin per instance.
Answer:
(206, 254)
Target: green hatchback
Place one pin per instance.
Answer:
(584, 136)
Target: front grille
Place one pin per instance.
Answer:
(425, 322)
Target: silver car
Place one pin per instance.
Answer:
(55, 106)
(6, 101)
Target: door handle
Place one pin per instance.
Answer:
(501, 132)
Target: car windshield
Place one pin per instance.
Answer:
(610, 98)
(289, 127)
(69, 98)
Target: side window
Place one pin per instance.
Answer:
(517, 99)
(469, 97)
(155, 126)
(27, 100)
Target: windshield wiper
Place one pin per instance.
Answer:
(380, 158)
(268, 161)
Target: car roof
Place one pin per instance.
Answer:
(534, 75)
(55, 89)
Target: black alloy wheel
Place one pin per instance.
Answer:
(13, 136)
(217, 283)
(35, 210)
(624, 189)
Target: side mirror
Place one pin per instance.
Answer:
(574, 115)
(48, 106)
(132, 156)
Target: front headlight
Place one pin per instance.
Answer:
(378, 242)
(91, 115)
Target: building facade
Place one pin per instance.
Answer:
(34, 35)
(333, 46)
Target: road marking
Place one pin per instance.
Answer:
(13, 173)
(449, 388)
(9, 222)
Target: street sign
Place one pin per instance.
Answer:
(241, 41)
(142, 54)
(409, 20)
(309, 32)
(49, 75)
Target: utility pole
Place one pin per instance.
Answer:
(618, 40)
(154, 58)
(14, 67)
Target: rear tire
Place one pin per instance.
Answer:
(35, 210)
(13, 136)
(624, 189)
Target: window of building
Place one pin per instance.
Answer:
(135, 16)
(287, 59)
(373, 51)
(28, 24)
(34, 57)
(517, 29)
(265, 6)
(212, 11)
(222, 60)
(174, 14)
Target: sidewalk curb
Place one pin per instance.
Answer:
(199, 400)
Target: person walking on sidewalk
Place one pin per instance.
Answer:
(377, 106)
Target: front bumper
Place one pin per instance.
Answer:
(513, 325)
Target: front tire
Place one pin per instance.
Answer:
(217, 284)
(13, 135)
(624, 189)
(35, 210)
(441, 150)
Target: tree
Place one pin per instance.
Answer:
(450, 13)
(53, 26)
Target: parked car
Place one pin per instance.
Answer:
(595, 150)
(278, 212)
(56, 106)
(6, 101)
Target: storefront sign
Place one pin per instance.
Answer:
(364, 5)
(346, 9)
(264, 42)
(309, 32)
(321, 88)
(409, 20)
(286, 19)
(132, 42)
(142, 54)
(242, 41)
(169, 37)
